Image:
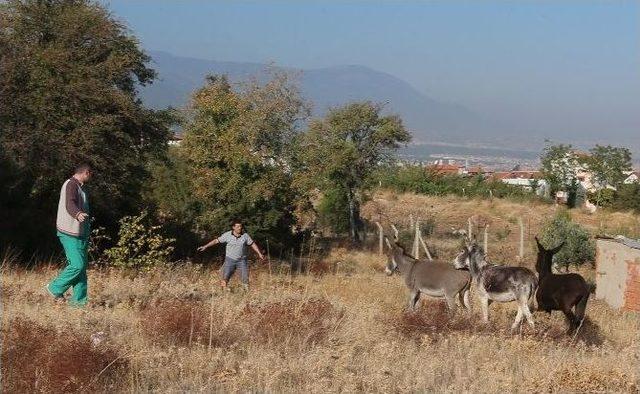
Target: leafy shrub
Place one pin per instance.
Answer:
(602, 197)
(503, 233)
(333, 211)
(98, 245)
(627, 197)
(140, 245)
(578, 249)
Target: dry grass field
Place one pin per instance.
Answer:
(342, 327)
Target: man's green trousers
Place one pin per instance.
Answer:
(75, 273)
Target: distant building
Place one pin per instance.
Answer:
(446, 167)
(632, 177)
(474, 171)
(175, 140)
(527, 179)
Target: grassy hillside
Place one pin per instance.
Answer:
(341, 328)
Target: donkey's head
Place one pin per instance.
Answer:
(471, 253)
(472, 257)
(392, 263)
(461, 261)
(545, 256)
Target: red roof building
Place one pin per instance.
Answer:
(445, 169)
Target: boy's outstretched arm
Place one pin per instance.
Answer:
(208, 245)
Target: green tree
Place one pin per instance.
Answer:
(342, 149)
(238, 148)
(627, 197)
(559, 165)
(170, 192)
(578, 249)
(68, 77)
(609, 166)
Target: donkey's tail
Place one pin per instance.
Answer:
(581, 307)
(533, 286)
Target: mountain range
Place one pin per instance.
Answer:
(430, 120)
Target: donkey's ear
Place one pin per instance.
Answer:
(540, 247)
(557, 248)
(396, 236)
(467, 241)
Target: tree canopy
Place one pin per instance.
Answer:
(238, 147)
(342, 149)
(609, 164)
(68, 77)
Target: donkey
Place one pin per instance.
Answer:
(498, 283)
(433, 278)
(560, 292)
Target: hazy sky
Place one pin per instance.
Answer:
(544, 65)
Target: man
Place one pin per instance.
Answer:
(236, 253)
(73, 229)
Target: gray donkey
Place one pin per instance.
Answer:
(433, 278)
(498, 282)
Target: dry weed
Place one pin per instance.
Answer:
(304, 323)
(36, 358)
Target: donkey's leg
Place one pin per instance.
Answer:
(527, 312)
(518, 320)
(484, 303)
(571, 318)
(461, 298)
(413, 300)
(464, 299)
(451, 302)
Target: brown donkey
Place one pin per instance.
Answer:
(560, 292)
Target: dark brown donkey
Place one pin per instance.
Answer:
(560, 292)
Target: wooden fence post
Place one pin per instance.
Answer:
(380, 238)
(486, 238)
(521, 250)
(416, 240)
(396, 233)
(426, 250)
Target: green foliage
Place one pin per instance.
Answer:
(627, 197)
(98, 243)
(333, 211)
(419, 180)
(603, 197)
(140, 244)
(170, 192)
(559, 166)
(578, 249)
(609, 165)
(69, 71)
(237, 151)
(341, 150)
(502, 233)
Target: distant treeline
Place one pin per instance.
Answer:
(420, 180)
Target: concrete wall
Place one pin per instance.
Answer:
(618, 275)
